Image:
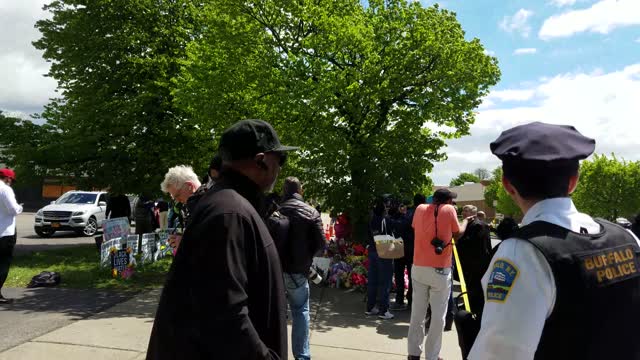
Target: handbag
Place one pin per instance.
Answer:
(387, 245)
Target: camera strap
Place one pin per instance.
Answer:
(435, 214)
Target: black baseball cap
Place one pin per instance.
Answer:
(246, 138)
(444, 194)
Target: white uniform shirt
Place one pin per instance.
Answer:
(9, 208)
(512, 326)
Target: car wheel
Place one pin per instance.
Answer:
(45, 232)
(91, 228)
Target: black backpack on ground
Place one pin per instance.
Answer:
(44, 279)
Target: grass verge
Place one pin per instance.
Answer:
(79, 268)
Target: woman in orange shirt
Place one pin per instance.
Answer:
(434, 225)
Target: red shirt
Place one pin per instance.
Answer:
(424, 223)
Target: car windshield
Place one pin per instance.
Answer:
(77, 198)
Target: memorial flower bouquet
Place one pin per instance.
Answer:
(339, 274)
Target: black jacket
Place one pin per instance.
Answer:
(224, 296)
(306, 235)
(375, 228)
(118, 206)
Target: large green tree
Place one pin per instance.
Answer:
(463, 178)
(353, 85)
(608, 187)
(21, 147)
(116, 62)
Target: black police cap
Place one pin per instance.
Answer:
(246, 138)
(541, 143)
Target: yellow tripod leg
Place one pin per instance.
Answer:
(463, 285)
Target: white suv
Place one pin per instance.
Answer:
(79, 211)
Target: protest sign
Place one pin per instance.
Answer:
(148, 247)
(105, 250)
(115, 228)
(132, 242)
(119, 260)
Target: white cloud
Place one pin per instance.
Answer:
(561, 3)
(600, 105)
(602, 17)
(23, 89)
(519, 22)
(638, 40)
(489, 52)
(525, 51)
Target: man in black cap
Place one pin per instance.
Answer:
(224, 297)
(565, 286)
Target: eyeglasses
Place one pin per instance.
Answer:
(282, 156)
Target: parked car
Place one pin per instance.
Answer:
(79, 211)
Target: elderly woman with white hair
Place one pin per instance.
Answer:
(180, 182)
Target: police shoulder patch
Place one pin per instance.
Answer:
(503, 275)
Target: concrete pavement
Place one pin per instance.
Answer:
(339, 330)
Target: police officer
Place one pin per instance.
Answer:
(565, 286)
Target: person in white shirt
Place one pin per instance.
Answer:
(9, 208)
(564, 286)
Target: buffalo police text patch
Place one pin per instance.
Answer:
(502, 278)
(606, 267)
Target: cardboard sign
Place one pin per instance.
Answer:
(120, 260)
(132, 242)
(148, 248)
(115, 228)
(105, 249)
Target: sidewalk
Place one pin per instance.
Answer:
(339, 330)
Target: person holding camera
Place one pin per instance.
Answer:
(434, 225)
(305, 239)
(564, 285)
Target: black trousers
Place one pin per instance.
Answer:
(7, 243)
(398, 268)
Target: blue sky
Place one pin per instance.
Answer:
(573, 62)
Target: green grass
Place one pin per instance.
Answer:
(79, 268)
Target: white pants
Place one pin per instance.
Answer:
(164, 220)
(429, 288)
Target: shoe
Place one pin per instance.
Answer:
(386, 316)
(4, 300)
(373, 311)
(398, 307)
(413, 357)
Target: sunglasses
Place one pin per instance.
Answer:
(282, 157)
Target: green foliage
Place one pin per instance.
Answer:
(22, 144)
(608, 187)
(116, 62)
(352, 85)
(463, 178)
(482, 174)
(495, 192)
(147, 84)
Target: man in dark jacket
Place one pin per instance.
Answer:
(224, 295)
(474, 250)
(118, 206)
(305, 239)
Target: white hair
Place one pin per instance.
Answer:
(471, 208)
(178, 176)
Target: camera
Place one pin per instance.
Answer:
(314, 275)
(438, 245)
